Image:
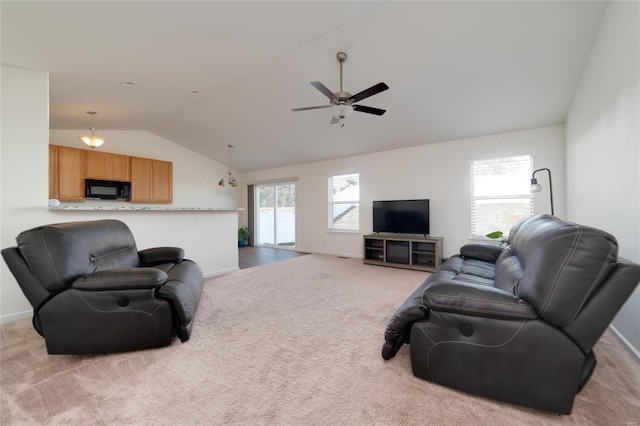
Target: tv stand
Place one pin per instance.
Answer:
(422, 253)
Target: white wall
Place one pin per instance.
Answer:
(208, 238)
(440, 172)
(603, 145)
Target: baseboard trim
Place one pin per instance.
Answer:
(15, 317)
(626, 345)
(327, 253)
(220, 272)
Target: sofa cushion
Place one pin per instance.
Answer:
(508, 271)
(485, 252)
(476, 272)
(563, 264)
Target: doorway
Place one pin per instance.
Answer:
(275, 215)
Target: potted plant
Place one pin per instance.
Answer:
(498, 235)
(243, 235)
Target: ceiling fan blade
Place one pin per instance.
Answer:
(321, 87)
(313, 107)
(373, 90)
(369, 110)
(334, 120)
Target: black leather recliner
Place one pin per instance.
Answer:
(517, 324)
(92, 291)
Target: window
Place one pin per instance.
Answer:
(500, 193)
(344, 202)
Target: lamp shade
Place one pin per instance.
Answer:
(92, 140)
(535, 188)
(341, 110)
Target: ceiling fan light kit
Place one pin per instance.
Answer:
(342, 103)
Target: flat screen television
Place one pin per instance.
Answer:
(401, 216)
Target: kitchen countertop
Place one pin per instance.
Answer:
(146, 209)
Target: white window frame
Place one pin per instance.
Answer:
(524, 165)
(332, 202)
(256, 196)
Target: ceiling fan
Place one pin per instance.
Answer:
(342, 103)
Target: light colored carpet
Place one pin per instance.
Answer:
(289, 343)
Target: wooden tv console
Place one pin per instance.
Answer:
(422, 253)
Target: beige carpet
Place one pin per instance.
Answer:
(289, 343)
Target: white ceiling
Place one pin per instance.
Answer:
(455, 70)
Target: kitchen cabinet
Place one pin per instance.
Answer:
(151, 181)
(162, 181)
(106, 166)
(53, 171)
(68, 167)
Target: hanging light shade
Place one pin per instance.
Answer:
(341, 110)
(230, 179)
(92, 140)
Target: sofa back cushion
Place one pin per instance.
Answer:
(508, 271)
(58, 254)
(563, 264)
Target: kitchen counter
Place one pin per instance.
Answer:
(146, 209)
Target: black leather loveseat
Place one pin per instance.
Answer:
(92, 291)
(517, 324)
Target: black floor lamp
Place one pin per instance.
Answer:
(535, 186)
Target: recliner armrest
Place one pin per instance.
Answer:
(121, 279)
(157, 255)
(476, 300)
(484, 252)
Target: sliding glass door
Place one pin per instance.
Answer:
(275, 215)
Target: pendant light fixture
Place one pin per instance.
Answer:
(93, 141)
(231, 180)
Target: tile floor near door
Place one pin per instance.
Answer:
(249, 256)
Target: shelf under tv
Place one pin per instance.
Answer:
(408, 251)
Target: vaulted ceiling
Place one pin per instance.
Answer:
(211, 73)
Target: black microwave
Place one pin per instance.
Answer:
(107, 189)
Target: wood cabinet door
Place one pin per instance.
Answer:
(162, 182)
(71, 170)
(106, 166)
(141, 169)
(97, 165)
(53, 171)
(119, 167)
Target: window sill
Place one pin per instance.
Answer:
(343, 231)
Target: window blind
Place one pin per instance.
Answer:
(344, 202)
(500, 193)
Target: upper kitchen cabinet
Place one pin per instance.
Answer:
(106, 166)
(162, 181)
(66, 173)
(53, 171)
(151, 181)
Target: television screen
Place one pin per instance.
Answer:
(401, 216)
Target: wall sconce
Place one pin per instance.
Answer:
(93, 141)
(535, 186)
(232, 181)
